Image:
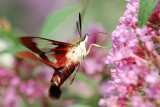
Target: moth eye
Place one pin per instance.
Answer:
(83, 38)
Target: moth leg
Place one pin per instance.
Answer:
(74, 74)
(91, 46)
(84, 60)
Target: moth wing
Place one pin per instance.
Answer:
(48, 51)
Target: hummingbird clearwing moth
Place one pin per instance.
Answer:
(63, 57)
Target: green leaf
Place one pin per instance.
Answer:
(10, 35)
(13, 50)
(80, 105)
(56, 19)
(11, 41)
(109, 44)
(24, 103)
(89, 81)
(145, 9)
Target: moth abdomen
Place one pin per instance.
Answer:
(54, 92)
(59, 76)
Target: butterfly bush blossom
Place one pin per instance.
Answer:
(135, 80)
(25, 81)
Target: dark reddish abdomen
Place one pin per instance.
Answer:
(59, 76)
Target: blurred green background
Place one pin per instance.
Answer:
(27, 16)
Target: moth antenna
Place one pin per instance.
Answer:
(54, 92)
(99, 32)
(84, 61)
(78, 29)
(80, 24)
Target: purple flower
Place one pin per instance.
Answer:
(107, 88)
(20, 81)
(11, 98)
(135, 78)
(102, 102)
(110, 102)
(15, 81)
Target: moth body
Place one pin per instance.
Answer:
(78, 52)
(74, 57)
(63, 57)
(59, 76)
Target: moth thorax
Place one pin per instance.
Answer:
(77, 53)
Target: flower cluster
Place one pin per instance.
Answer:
(135, 78)
(24, 82)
